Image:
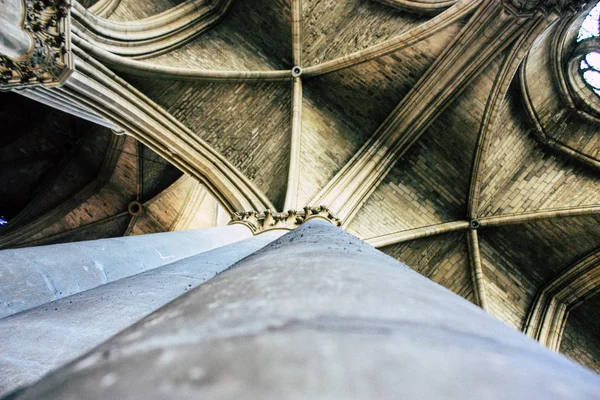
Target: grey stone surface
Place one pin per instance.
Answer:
(14, 42)
(33, 276)
(319, 314)
(38, 340)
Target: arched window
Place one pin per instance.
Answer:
(590, 65)
(590, 27)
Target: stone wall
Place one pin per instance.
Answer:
(430, 183)
(248, 123)
(581, 340)
(443, 259)
(519, 259)
(523, 175)
(343, 109)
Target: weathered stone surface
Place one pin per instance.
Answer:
(475, 161)
(317, 313)
(44, 338)
(559, 6)
(33, 276)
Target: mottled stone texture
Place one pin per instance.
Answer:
(333, 28)
(131, 10)
(549, 107)
(249, 123)
(54, 272)
(44, 338)
(318, 313)
(255, 34)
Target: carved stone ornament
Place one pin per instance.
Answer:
(259, 222)
(50, 61)
(529, 7)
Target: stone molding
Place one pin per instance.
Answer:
(565, 56)
(548, 315)
(568, 96)
(100, 90)
(145, 38)
(424, 7)
(259, 222)
(484, 37)
(50, 61)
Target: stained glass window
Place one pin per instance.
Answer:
(590, 65)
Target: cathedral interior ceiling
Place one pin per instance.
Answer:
(470, 156)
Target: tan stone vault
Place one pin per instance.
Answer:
(456, 136)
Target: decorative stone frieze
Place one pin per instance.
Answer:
(49, 62)
(528, 7)
(259, 222)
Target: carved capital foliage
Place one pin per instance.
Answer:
(49, 62)
(259, 222)
(527, 7)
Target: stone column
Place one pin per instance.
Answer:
(38, 340)
(319, 314)
(33, 276)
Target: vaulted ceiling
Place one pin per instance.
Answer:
(65, 179)
(405, 120)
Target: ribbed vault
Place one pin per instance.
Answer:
(407, 119)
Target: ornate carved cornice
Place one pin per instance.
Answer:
(49, 62)
(529, 7)
(259, 222)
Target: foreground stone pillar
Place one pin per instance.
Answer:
(33, 276)
(38, 340)
(319, 314)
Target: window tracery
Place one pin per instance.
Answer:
(590, 26)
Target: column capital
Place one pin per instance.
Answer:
(259, 222)
(49, 61)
